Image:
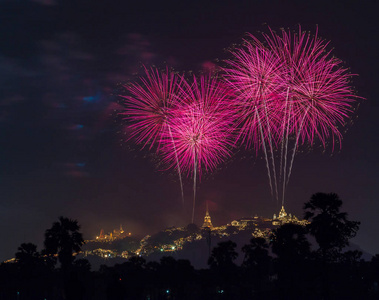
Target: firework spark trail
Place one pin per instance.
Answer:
(194, 186)
(285, 129)
(265, 152)
(282, 144)
(177, 163)
(285, 157)
(296, 142)
(271, 150)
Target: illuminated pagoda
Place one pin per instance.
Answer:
(113, 235)
(284, 218)
(207, 220)
(282, 213)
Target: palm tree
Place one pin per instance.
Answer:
(64, 239)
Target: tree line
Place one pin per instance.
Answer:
(288, 265)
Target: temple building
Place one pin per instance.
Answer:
(282, 213)
(116, 234)
(207, 220)
(283, 218)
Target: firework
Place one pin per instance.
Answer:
(319, 86)
(255, 75)
(148, 109)
(201, 128)
(280, 92)
(148, 105)
(288, 85)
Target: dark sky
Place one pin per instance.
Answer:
(61, 144)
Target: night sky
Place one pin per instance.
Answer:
(63, 148)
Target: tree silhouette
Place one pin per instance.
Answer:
(292, 249)
(29, 260)
(329, 226)
(223, 268)
(33, 271)
(331, 229)
(27, 254)
(256, 263)
(223, 255)
(64, 239)
(192, 228)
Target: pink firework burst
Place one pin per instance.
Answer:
(320, 94)
(290, 79)
(148, 105)
(289, 84)
(255, 75)
(201, 127)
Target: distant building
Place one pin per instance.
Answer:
(116, 234)
(207, 220)
(235, 223)
(179, 236)
(284, 218)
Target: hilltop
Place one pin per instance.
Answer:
(190, 242)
